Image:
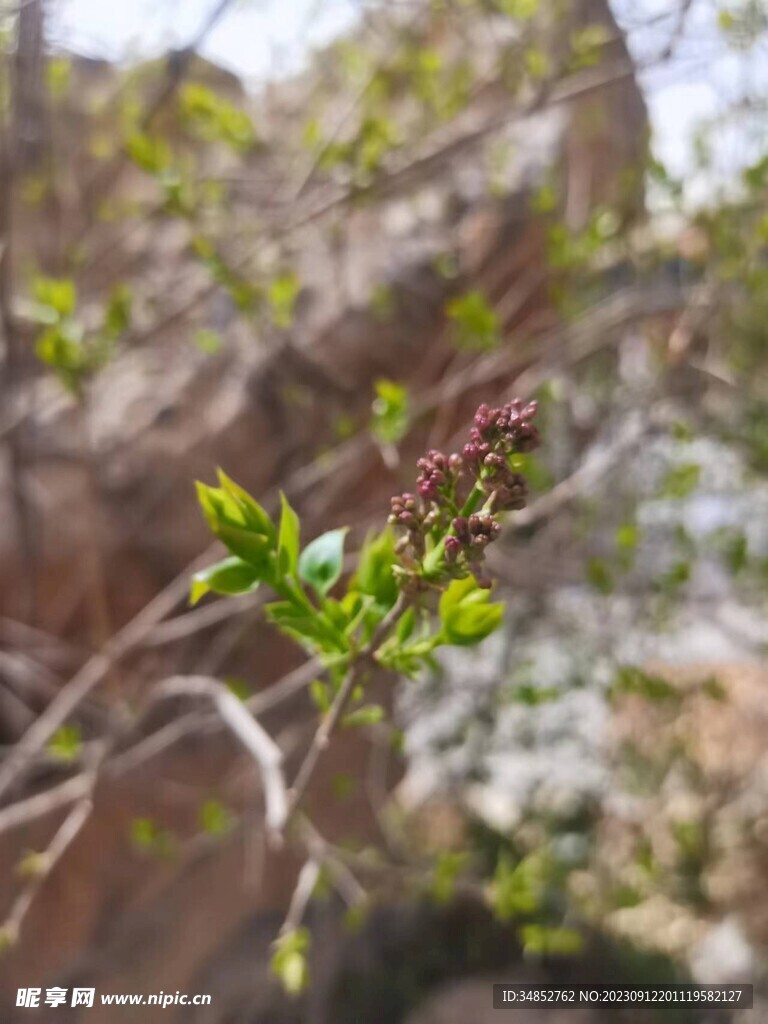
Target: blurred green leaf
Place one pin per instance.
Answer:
(466, 614)
(681, 481)
(66, 743)
(540, 940)
(215, 818)
(447, 868)
(151, 153)
(633, 680)
(207, 341)
(369, 714)
(599, 575)
(289, 960)
(476, 324)
(390, 416)
(282, 293)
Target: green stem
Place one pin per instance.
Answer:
(435, 557)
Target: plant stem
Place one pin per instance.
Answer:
(435, 557)
(363, 660)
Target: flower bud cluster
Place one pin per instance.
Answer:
(445, 482)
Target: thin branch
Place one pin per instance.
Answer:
(65, 836)
(321, 854)
(91, 675)
(302, 894)
(360, 665)
(254, 738)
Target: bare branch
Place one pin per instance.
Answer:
(43, 866)
(91, 674)
(302, 894)
(362, 662)
(254, 738)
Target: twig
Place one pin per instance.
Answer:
(361, 663)
(91, 674)
(302, 894)
(321, 854)
(346, 884)
(254, 738)
(65, 836)
(589, 473)
(587, 335)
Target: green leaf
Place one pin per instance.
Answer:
(466, 614)
(143, 833)
(312, 631)
(406, 625)
(477, 325)
(343, 785)
(289, 960)
(681, 481)
(240, 523)
(634, 681)
(532, 696)
(149, 837)
(288, 539)
(61, 347)
(252, 547)
(390, 416)
(66, 743)
(369, 714)
(321, 561)
(374, 574)
(59, 76)
(117, 317)
(318, 691)
(150, 153)
(520, 10)
(230, 576)
(255, 516)
(599, 575)
(282, 294)
(627, 536)
(541, 940)
(215, 818)
(676, 576)
(56, 294)
(207, 340)
(213, 118)
(518, 889)
(447, 869)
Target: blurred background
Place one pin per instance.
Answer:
(302, 240)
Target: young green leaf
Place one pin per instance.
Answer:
(369, 714)
(318, 690)
(321, 561)
(476, 323)
(466, 614)
(255, 516)
(230, 576)
(374, 574)
(390, 416)
(288, 539)
(66, 743)
(215, 818)
(240, 523)
(289, 960)
(313, 631)
(253, 548)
